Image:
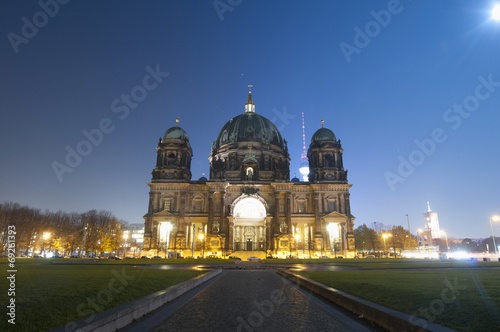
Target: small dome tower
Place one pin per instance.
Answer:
(325, 158)
(174, 153)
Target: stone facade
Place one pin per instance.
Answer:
(249, 205)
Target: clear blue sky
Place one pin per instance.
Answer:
(397, 87)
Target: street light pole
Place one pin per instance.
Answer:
(494, 218)
(385, 237)
(409, 231)
(169, 227)
(192, 244)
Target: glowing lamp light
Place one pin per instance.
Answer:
(201, 236)
(495, 12)
(46, 235)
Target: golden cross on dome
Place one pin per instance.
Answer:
(250, 86)
(177, 122)
(322, 122)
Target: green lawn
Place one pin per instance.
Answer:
(421, 292)
(48, 296)
(387, 263)
(119, 262)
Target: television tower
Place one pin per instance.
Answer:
(304, 162)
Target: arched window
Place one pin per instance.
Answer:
(301, 205)
(198, 204)
(167, 204)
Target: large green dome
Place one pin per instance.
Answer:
(249, 127)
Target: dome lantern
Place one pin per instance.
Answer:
(250, 106)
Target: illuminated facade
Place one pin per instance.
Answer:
(249, 206)
(432, 224)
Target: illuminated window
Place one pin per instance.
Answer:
(166, 205)
(282, 208)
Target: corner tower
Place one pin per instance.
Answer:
(174, 153)
(325, 158)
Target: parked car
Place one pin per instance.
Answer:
(254, 258)
(158, 257)
(114, 257)
(145, 257)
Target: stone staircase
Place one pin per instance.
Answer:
(245, 254)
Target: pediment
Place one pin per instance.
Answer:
(334, 215)
(166, 214)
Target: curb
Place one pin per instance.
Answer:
(115, 318)
(387, 318)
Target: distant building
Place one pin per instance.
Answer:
(249, 206)
(432, 224)
(134, 235)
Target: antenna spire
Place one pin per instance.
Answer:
(304, 149)
(304, 164)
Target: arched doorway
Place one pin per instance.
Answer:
(249, 216)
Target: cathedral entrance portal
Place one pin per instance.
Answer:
(249, 216)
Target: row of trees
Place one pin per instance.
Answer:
(371, 239)
(63, 232)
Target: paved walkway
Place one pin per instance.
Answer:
(248, 301)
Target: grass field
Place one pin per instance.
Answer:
(118, 262)
(475, 305)
(48, 296)
(387, 263)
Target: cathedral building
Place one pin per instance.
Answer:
(249, 206)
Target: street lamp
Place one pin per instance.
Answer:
(201, 236)
(297, 239)
(45, 237)
(385, 236)
(192, 244)
(168, 228)
(446, 237)
(421, 240)
(125, 237)
(331, 229)
(494, 218)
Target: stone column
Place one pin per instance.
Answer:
(318, 233)
(277, 213)
(148, 227)
(210, 211)
(269, 243)
(289, 211)
(231, 233)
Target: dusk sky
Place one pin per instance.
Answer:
(412, 89)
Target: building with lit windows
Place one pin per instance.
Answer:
(133, 238)
(249, 206)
